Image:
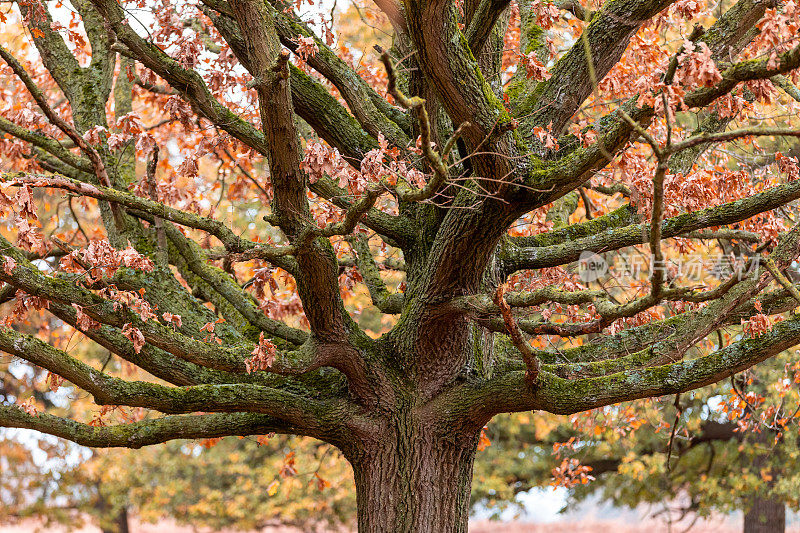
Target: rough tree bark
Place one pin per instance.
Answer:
(414, 480)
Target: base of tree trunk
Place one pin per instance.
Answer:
(415, 483)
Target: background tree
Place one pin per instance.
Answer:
(724, 450)
(245, 330)
(236, 483)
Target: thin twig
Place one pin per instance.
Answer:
(152, 191)
(780, 278)
(436, 162)
(68, 129)
(674, 429)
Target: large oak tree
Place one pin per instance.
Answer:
(468, 159)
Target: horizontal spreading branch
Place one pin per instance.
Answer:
(108, 390)
(727, 234)
(628, 348)
(704, 138)
(678, 377)
(644, 373)
(486, 310)
(49, 145)
(147, 432)
(606, 237)
(786, 84)
(214, 227)
(508, 393)
(149, 358)
(31, 280)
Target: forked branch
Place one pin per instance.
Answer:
(434, 159)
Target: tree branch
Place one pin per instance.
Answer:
(108, 390)
(482, 24)
(229, 239)
(312, 101)
(729, 213)
(554, 101)
(149, 358)
(629, 381)
(69, 130)
(47, 144)
(222, 283)
(55, 119)
(572, 170)
(373, 113)
(528, 356)
(436, 162)
(150, 432)
(30, 280)
(381, 297)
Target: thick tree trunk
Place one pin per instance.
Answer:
(414, 482)
(765, 516)
(117, 524)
